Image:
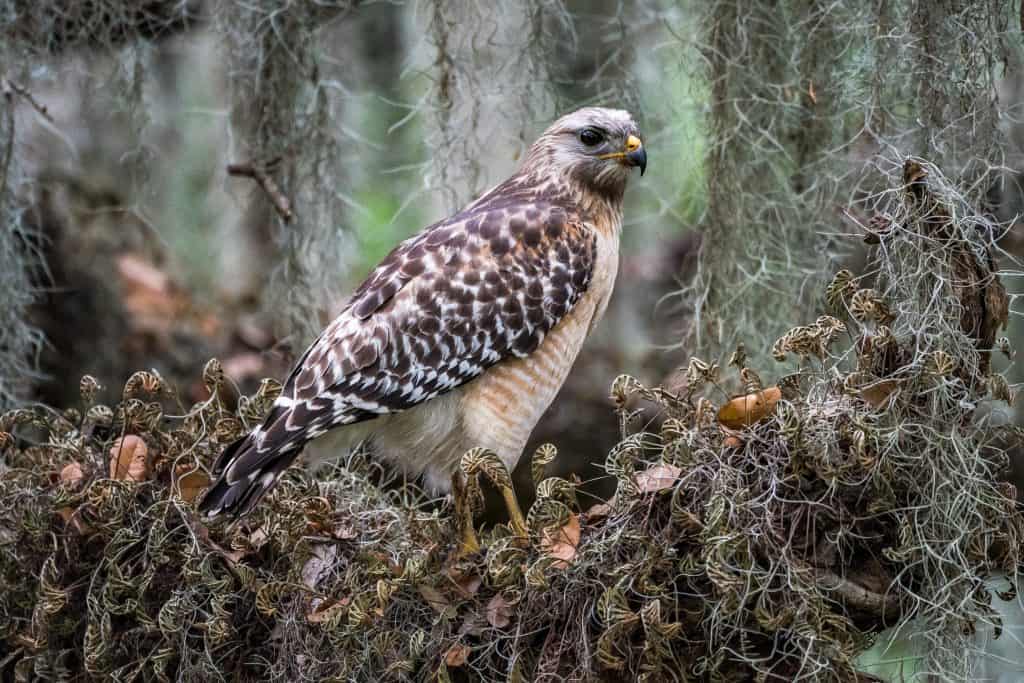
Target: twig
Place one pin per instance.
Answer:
(8, 150)
(8, 86)
(277, 198)
(857, 596)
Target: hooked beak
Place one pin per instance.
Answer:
(636, 155)
(633, 155)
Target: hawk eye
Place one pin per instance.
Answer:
(591, 137)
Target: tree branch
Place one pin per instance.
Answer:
(856, 595)
(260, 174)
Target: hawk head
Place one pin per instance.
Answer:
(594, 147)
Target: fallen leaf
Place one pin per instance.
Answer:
(259, 538)
(561, 543)
(732, 441)
(190, 481)
(69, 515)
(877, 393)
(744, 411)
(325, 609)
(599, 510)
(72, 475)
(319, 564)
(434, 597)
(343, 531)
(128, 459)
(457, 655)
(467, 583)
(499, 611)
(657, 478)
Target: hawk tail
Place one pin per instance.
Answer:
(246, 470)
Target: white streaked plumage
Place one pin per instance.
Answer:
(463, 335)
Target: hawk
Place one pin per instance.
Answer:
(465, 332)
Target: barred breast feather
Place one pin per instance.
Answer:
(485, 285)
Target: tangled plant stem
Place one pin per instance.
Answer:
(866, 497)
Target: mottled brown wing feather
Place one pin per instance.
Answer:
(446, 304)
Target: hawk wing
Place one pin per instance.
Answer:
(487, 284)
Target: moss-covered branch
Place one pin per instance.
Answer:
(861, 494)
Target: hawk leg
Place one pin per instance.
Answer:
(468, 541)
(516, 521)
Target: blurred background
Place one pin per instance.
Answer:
(125, 244)
(376, 120)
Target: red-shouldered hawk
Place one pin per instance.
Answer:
(465, 332)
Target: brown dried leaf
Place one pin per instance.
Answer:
(434, 597)
(319, 565)
(326, 609)
(72, 475)
(877, 393)
(561, 543)
(599, 511)
(467, 583)
(744, 411)
(657, 478)
(190, 482)
(732, 441)
(499, 611)
(129, 459)
(71, 516)
(344, 531)
(457, 655)
(259, 538)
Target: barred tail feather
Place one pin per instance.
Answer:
(250, 466)
(247, 469)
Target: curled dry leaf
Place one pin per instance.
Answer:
(344, 531)
(319, 564)
(72, 475)
(325, 609)
(657, 478)
(457, 655)
(129, 459)
(561, 543)
(433, 597)
(499, 611)
(190, 481)
(744, 411)
(599, 511)
(877, 393)
(70, 516)
(467, 583)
